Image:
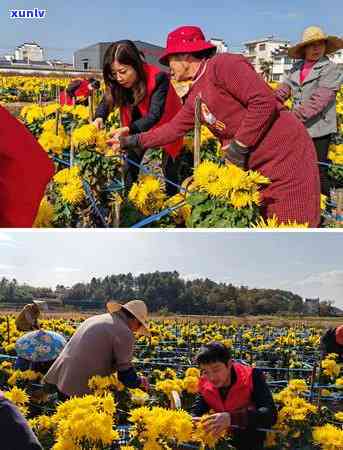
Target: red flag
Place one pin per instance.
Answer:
(25, 170)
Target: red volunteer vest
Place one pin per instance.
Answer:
(172, 107)
(81, 91)
(239, 395)
(25, 170)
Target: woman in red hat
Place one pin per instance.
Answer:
(255, 130)
(146, 99)
(25, 170)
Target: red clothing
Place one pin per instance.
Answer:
(238, 104)
(81, 91)
(306, 69)
(25, 170)
(65, 99)
(172, 107)
(239, 396)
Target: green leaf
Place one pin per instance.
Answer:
(196, 198)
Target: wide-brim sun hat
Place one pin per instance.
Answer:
(40, 346)
(311, 35)
(136, 307)
(186, 39)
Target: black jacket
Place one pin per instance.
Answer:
(158, 100)
(265, 415)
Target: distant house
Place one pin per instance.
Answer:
(221, 45)
(282, 63)
(265, 50)
(92, 57)
(312, 306)
(337, 57)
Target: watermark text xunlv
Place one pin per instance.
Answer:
(35, 13)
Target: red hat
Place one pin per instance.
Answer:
(339, 335)
(185, 40)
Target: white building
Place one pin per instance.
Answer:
(29, 51)
(264, 50)
(337, 57)
(282, 64)
(221, 45)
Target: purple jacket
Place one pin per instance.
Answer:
(314, 101)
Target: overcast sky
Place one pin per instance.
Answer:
(306, 263)
(70, 25)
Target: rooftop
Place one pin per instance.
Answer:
(267, 39)
(29, 43)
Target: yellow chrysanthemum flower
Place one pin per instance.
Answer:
(67, 175)
(191, 384)
(192, 372)
(336, 153)
(45, 214)
(73, 192)
(328, 437)
(147, 195)
(85, 135)
(49, 125)
(81, 111)
(273, 222)
(181, 214)
(51, 109)
(52, 142)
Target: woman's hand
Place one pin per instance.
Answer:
(114, 143)
(99, 123)
(123, 131)
(115, 136)
(216, 424)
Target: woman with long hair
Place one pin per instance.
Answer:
(146, 99)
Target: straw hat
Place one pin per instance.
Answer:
(136, 307)
(315, 34)
(41, 305)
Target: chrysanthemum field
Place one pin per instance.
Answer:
(88, 189)
(306, 387)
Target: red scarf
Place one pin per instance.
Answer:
(306, 70)
(172, 107)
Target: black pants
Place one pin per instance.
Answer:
(322, 147)
(175, 169)
(249, 439)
